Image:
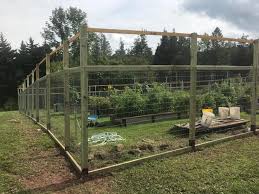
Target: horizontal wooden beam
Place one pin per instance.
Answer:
(156, 33)
(137, 32)
(141, 68)
(140, 160)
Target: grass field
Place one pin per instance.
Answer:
(30, 163)
(149, 138)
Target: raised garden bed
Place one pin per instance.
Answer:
(150, 118)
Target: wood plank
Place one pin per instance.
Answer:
(48, 90)
(37, 93)
(84, 98)
(254, 85)
(146, 32)
(66, 94)
(143, 68)
(193, 74)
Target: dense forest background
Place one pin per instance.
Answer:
(64, 23)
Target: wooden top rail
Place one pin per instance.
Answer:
(141, 68)
(146, 32)
(156, 33)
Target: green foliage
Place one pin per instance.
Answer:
(128, 103)
(63, 24)
(56, 66)
(159, 98)
(181, 101)
(100, 104)
(228, 93)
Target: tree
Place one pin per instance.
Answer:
(162, 54)
(7, 73)
(140, 52)
(121, 52)
(63, 24)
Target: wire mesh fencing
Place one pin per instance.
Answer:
(109, 115)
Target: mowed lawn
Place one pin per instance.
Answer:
(30, 163)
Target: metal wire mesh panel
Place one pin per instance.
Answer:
(75, 115)
(42, 101)
(57, 105)
(132, 114)
(228, 96)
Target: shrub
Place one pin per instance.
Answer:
(159, 99)
(181, 101)
(130, 102)
(100, 105)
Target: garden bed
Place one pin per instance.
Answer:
(150, 118)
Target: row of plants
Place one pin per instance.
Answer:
(157, 98)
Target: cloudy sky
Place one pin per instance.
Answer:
(20, 19)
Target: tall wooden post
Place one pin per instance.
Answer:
(18, 95)
(254, 84)
(23, 97)
(28, 95)
(32, 94)
(84, 98)
(193, 74)
(66, 93)
(48, 90)
(37, 100)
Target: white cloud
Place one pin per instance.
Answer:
(21, 19)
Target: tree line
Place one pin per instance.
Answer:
(15, 64)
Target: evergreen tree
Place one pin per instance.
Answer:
(7, 70)
(140, 53)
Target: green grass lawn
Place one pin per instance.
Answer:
(136, 135)
(30, 164)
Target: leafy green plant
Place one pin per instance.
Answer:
(181, 102)
(130, 102)
(100, 105)
(159, 99)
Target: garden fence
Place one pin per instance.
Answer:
(111, 116)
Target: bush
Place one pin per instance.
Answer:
(181, 102)
(128, 103)
(100, 105)
(159, 99)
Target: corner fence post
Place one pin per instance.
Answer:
(48, 90)
(32, 94)
(254, 85)
(66, 94)
(193, 74)
(84, 98)
(37, 92)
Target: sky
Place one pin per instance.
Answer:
(21, 19)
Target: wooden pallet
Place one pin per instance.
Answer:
(217, 124)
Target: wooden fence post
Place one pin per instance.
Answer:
(32, 94)
(18, 95)
(23, 97)
(193, 74)
(48, 89)
(84, 98)
(254, 84)
(28, 95)
(37, 100)
(66, 94)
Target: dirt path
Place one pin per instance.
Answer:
(46, 169)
